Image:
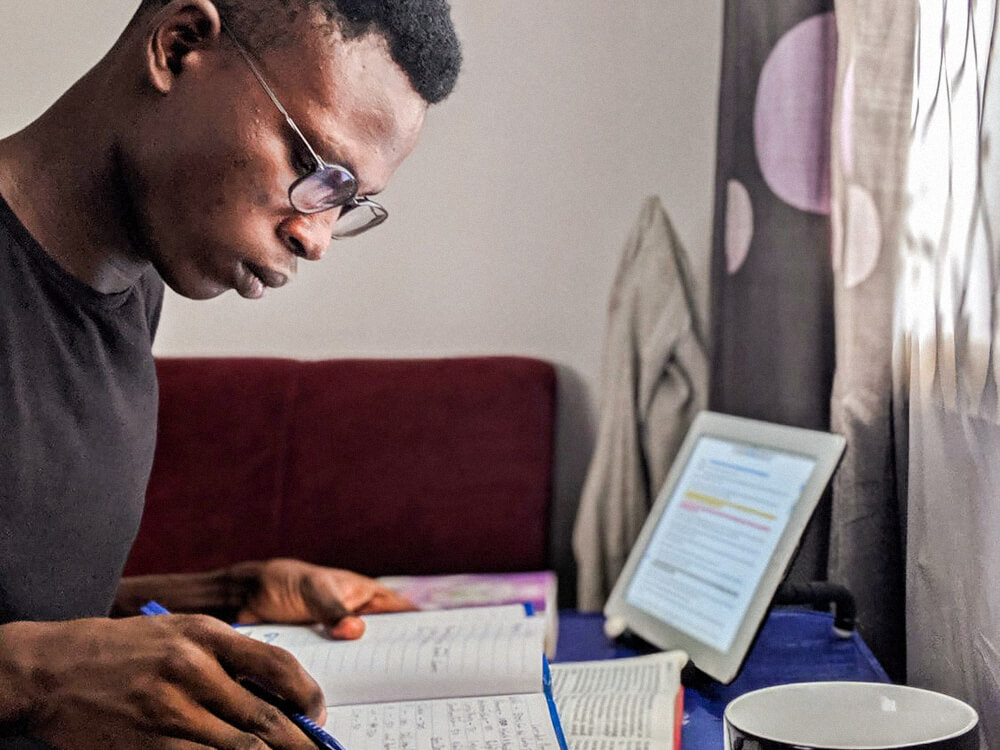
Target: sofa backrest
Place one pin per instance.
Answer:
(382, 466)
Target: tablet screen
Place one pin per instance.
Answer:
(720, 537)
(716, 536)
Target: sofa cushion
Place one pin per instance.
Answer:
(382, 466)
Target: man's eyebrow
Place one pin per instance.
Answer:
(326, 148)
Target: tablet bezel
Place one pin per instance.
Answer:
(823, 447)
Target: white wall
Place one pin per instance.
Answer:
(505, 225)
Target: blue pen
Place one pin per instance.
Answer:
(320, 737)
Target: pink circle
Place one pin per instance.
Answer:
(862, 236)
(739, 225)
(792, 114)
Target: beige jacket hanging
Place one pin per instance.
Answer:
(655, 380)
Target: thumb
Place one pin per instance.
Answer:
(349, 628)
(323, 602)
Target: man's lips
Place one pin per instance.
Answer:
(272, 279)
(255, 279)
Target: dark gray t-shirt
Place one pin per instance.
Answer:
(77, 428)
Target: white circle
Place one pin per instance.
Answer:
(850, 715)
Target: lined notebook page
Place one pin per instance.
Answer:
(422, 655)
(502, 721)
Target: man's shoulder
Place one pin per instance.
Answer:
(151, 289)
(150, 285)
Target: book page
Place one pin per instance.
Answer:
(404, 624)
(606, 715)
(619, 704)
(512, 722)
(420, 655)
(386, 626)
(610, 743)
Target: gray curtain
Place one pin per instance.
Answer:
(916, 519)
(946, 357)
(870, 139)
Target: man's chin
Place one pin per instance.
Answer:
(196, 291)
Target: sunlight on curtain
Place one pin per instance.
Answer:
(946, 357)
(915, 219)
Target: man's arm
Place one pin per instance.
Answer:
(15, 700)
(280, 590)
(219, 592)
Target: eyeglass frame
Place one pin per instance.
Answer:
(379, 211)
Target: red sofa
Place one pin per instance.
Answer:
(382, 466)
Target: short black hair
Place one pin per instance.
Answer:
(419, 33)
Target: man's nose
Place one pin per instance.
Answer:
(308, 235)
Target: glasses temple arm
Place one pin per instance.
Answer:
(267, 90)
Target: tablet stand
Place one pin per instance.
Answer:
(818, 594)
(822, 594)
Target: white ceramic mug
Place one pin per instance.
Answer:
(849, 716)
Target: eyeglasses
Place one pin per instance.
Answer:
(325, 186)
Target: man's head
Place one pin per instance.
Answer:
(420, 34)
(209, 157)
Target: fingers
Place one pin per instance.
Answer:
(217, 711)
(386, 600)
(323, 592)
(294, 591)
(322, 597)
(352, 593)
(236, 719)
(381, 599)
(160, 682)
(209, 731)
(237, 657)
(273, 669)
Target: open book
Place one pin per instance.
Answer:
(464, 678)
(430, 680)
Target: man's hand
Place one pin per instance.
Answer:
(159, 683)
(292, 591)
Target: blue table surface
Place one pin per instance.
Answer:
(793, 646)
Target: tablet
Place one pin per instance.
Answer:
(720, 537)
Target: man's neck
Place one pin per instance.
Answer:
(61, 177)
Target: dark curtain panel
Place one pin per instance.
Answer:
(772, 285)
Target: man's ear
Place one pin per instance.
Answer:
(179, 34)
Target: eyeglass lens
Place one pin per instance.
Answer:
(322, 190)
(332, 187)
(355, 218)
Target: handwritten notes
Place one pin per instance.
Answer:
(504, 722)
(421, 655)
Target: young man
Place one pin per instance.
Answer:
(215, 146)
